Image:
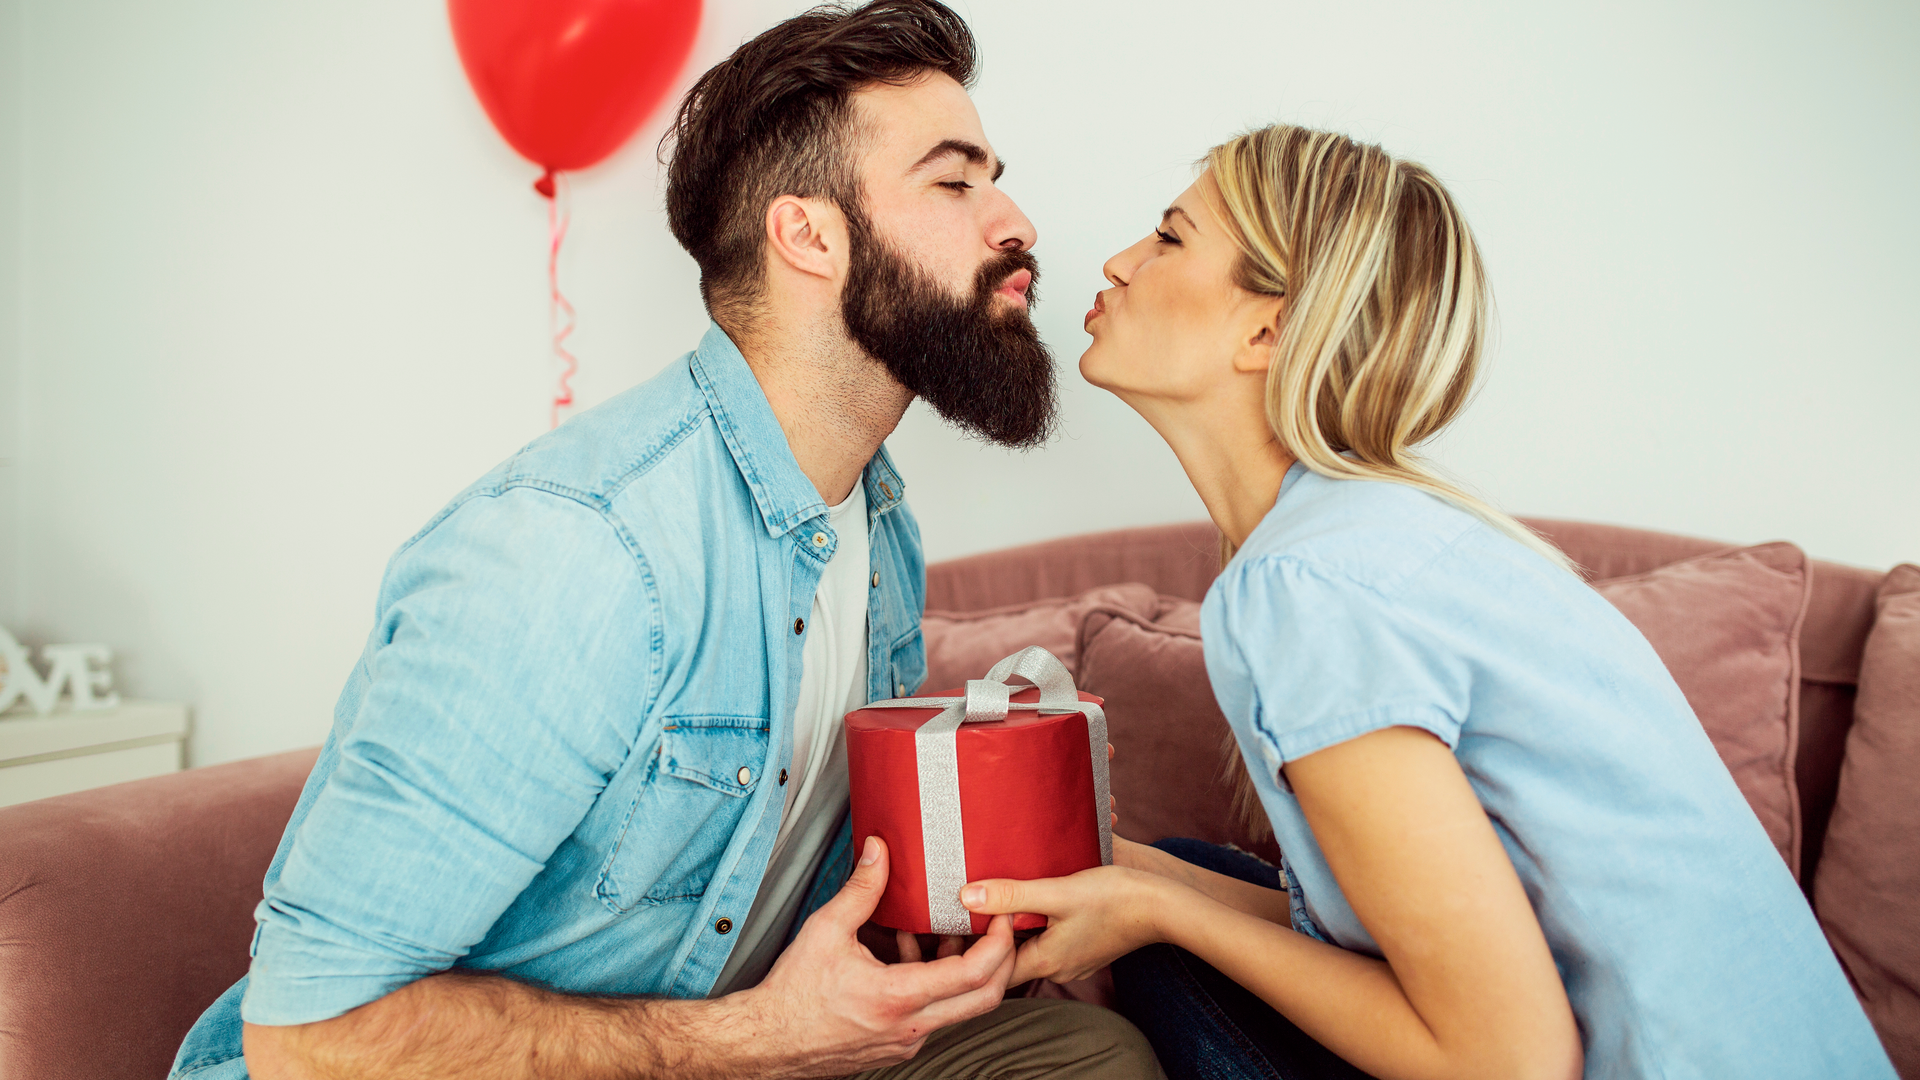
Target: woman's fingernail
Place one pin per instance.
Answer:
(870, 854)
(973, 895)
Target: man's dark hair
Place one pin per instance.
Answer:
(776, 118)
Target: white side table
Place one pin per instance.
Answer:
(68, 751)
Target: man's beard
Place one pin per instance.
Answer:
(985, 371)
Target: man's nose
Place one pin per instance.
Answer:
(1011, 231)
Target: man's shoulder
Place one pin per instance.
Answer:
(573, 480)
(595, 455)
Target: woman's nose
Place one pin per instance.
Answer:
(1120, 268)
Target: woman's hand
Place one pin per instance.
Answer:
(1093, 917)
(1140, 857)
(1269, 902)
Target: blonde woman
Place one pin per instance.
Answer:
(1510, 851)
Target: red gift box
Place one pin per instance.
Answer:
(989, 782)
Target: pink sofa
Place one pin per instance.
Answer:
(125, 911)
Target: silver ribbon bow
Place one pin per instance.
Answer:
(936, 751)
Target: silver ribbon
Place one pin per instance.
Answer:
(936, 752)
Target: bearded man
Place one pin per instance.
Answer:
(583, 809)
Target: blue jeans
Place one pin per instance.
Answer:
(1203, 1025)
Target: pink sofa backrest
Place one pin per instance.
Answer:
(1181, 560)
(124, 911)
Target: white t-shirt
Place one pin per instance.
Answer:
(833, 682)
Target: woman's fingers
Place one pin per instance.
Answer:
(909, 945)
(1000, 896)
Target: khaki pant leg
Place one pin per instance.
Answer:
(1030, 1039)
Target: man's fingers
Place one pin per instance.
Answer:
(956, 975)
(979, 1000)
(1032, 962)
(951, 945)
(857, 899)
(966, 1006)
(909, 944)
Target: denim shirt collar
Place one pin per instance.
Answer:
(782, 493)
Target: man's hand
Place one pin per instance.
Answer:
(828, 1008)
(837, 1009)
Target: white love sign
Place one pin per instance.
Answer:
(79, 668)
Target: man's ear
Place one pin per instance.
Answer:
(1255, 352)
(808, 235)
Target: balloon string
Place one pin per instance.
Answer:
(560, 320)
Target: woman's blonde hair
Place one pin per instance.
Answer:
(1387, 309)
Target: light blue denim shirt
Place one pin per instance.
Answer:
(1686, 948)
(560, 756)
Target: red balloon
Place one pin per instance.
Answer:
(568, 81)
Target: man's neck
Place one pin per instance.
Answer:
(835, 403)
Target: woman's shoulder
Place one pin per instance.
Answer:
(1368, 534)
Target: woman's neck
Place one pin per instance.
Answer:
(1229, 454)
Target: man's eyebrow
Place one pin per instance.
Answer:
(973, 152)
(1172, 210)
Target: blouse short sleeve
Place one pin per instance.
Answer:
(1329, 659)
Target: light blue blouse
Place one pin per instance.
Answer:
(1686, 948)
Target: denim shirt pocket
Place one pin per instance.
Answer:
(686, 811)
(907, 661)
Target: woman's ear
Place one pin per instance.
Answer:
(1256, 348)
(807, 235)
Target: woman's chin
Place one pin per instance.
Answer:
(1091, 368)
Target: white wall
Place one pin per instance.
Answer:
(11, 85)
(283, 287)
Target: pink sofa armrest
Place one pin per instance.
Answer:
(124, 911)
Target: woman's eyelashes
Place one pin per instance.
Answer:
(1166, 237)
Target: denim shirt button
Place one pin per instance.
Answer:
(901, 690)
(799, 626)
(745, 776)
(819, 539)
(724, 926)
(783, 778)
(876, 579)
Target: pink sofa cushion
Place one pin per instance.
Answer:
(125, 910)
(962, 645)
(1168, 734)
(1867, 891)
(1727, 625)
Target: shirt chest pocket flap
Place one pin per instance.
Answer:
(909, 662)
(690, 802)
